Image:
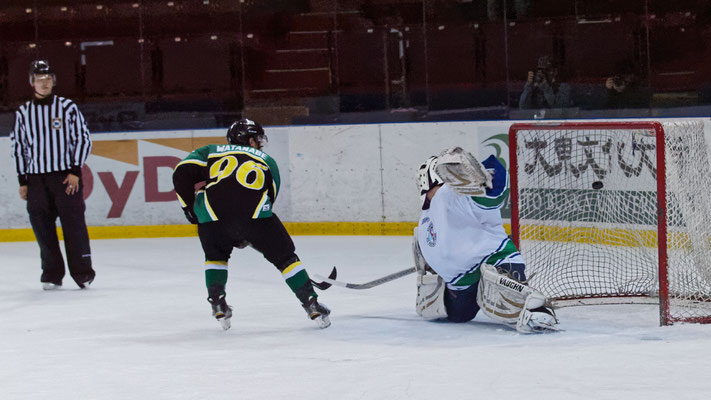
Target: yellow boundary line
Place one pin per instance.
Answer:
(590, 235)
(609, 237)
(615, 237)
(156, 231)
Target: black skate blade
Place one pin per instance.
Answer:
(325, 285)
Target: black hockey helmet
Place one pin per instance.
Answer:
(240, 132)
(41, 67)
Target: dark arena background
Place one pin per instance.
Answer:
(160, 64)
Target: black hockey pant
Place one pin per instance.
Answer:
(266, 235)
(47, 200)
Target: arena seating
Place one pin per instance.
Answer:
(452, 56)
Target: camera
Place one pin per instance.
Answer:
(539, 76)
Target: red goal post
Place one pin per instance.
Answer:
(600, 220)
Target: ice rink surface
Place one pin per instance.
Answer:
(144, 331)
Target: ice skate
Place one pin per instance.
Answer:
(537, 316)
(318, 312)
(86, 284)
(539, 320)
(221, 311)
(50, 286)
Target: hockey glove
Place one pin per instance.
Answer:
(190, 215)
(463, 172)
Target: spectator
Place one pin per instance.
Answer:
(624, 88)
(49, 154)
(543, 88)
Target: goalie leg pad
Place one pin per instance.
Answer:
(420, 263)
(510, 302)
(430, 297)
(500, 297)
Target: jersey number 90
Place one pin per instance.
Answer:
(250, 174)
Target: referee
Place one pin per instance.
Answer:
(50, 143)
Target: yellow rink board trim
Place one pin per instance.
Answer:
(610, 237)
(294, 228)
(614, 237)
(109, 232)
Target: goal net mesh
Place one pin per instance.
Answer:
(587, 213)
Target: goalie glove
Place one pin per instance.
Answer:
(463, 172)
(190, 215)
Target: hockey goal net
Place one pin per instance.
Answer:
(615, 212)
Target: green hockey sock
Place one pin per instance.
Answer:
(215, 278)
(298, 280)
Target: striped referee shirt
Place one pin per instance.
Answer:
(50, 135)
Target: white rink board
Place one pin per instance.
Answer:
(406, 146)
(337, 172)
(330, 173)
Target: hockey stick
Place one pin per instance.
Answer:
(324, 285)
(387, 278)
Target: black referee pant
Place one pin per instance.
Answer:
(46, 200)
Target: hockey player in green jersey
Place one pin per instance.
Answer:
(234, 209)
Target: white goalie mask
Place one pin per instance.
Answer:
(427, 178)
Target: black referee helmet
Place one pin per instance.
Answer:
(41, 67)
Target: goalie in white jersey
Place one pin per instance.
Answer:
(465, 260)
